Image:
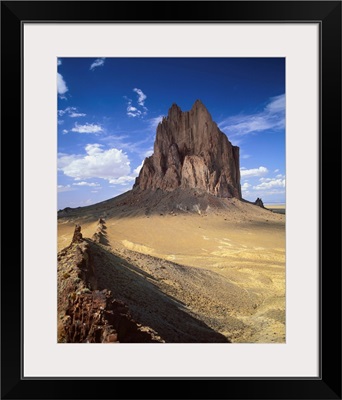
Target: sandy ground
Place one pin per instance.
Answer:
(227, 269)
(275, 205)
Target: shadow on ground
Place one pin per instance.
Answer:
(148, 304)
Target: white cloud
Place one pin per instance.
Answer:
(276, 105)
(272, 117)
(59, 62)
(99, 62)
(65, 159)
(141, 96)
(94, 148)
(245, 156)
(110, 164)
(279, 176)
(248, 173)
(94, 191)
(155, 121)
(138, 168)
(246, 185)
(71, 112)
(133, 111)
(76, 115)
(62, 112)
(83, 183)
(276, 170)
(122, 180)
(62, 188)
(148, 153)
(87, 128)
(142, 147)
(65, 131)
(270, 184)
(140, 110)
(61, 86)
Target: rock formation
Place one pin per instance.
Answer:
(77, 234)
(100, 235)
(88, 313)
(96, 317)
(190, 151)
(259, 202)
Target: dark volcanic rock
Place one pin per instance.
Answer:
(87, 313)
(259, 202)
(77, 234)
(191, 152)
(100, 235)
(96, 317)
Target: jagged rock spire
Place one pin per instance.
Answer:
(191, 152)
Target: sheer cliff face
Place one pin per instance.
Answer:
(191, 152)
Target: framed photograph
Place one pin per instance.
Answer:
(158, 238)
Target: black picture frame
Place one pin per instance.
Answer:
(328, 15)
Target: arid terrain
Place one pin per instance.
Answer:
(181, 257)
(206, 274)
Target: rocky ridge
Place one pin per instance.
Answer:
(87, 312)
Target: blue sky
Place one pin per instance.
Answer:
(109, 108)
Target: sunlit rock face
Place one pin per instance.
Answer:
(190, 151)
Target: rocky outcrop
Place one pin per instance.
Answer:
(100, 235)
(96, 317)
(259, 202)
(77, 235)
(88, 313)
(191, 152)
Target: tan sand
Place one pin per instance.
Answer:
(246, 251)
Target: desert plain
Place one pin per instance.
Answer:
(192, 275)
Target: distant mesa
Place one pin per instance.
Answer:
(190, 152)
